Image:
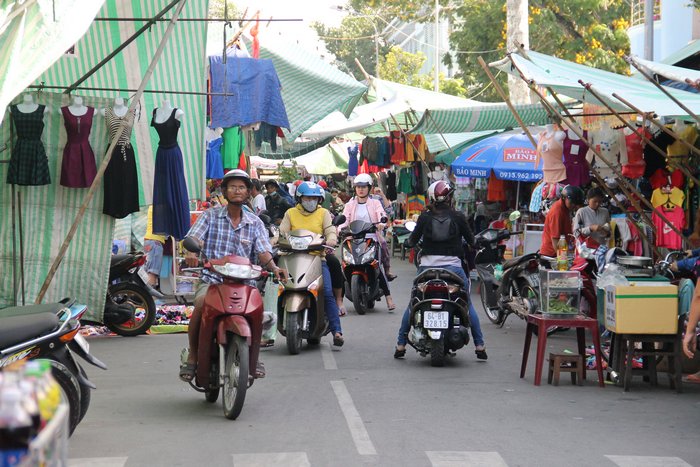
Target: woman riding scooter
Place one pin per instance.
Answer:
(442, 230)
(309, 215)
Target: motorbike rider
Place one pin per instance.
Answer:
(363, 207)
(593, 221)
(442, 249)
(222, 231)
(276, 203)
(309, 215)
(558, 219)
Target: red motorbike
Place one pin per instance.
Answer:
(229, 337)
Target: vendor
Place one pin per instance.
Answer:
(558, 220)
(592, 222)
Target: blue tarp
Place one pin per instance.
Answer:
(510, 156)
(256, 93)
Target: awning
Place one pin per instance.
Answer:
(671, 72)
(330, 159)
(563, 76)
(478, 118)
(689, 50)
(34, 34)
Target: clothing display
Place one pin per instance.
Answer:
(215, 163)
(353, 163)
(688, 133)
(233, 145)
(171, 210)
(551, 150)
(654, 160)
(633, 165)
(607, 141)
(29, 165)
(668, 198)
(663, 177)
(496, 190)
(121, 182)
(575, 150)
(78, 167)
(665, 236)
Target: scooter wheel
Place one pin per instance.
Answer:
(141, 300)
(71, 391)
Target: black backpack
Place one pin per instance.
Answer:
(441, 228)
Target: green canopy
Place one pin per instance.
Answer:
(478, 118)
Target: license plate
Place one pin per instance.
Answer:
(143, 275)
(435, 319)
(82, 342)
(535, 278)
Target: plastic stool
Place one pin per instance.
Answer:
(556, 360)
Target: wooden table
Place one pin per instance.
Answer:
(580, 323)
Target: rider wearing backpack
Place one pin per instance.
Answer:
(442, 230)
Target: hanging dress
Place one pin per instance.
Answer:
(577, 169)
(78, 167)
(215, 166)
(121, 181)
(29, 165)
(634, 166)
(171, 207)
(234, 142)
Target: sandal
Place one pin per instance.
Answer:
(399, 353)
(267, 343)
(187, 372)
(391, 277)
(481, 354)
(259, 370)
(342, 311)
(338, 339)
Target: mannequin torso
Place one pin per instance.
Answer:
(77, 108)
(163, 112)
(551, 150)
(28, 105)
(119, 109)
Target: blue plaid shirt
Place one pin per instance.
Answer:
(220, 238)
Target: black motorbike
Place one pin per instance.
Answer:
(129, 309)
(361, 262)
(439, 310)
(506, 286)
(51, 331)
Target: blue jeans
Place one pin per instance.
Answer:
(329, 304)
(473, 317)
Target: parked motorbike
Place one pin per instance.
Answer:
(51, 331)
(229, 337)
(663, 267)
(129, 309)
(361, 264)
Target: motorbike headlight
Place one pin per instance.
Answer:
(300, 243)
(368, 255)
(237, 271)
(347, 256)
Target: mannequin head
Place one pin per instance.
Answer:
(166, 104)
(77, 100)
(28, 99)
(119, 102)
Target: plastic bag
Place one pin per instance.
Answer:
(611, 276)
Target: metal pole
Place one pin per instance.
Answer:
(100, 172)
(649, 29)
(145, 91)
(14, 249)
(21, 244)
(436, 83)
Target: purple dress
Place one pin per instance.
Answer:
(78, 167)
(577, 169)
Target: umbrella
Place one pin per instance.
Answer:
(511, 156)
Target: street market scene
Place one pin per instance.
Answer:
(349, 232)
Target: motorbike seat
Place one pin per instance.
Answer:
(17, 329)
(31, 309)
(440, 274)
(519, 260)
(118, 260)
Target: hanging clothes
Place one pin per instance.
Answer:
(233, 145)
(496, 190)
(215, 163)
(663, 176)
(398, 147)
(171, 209)
(266, 133)
(121, 182)
(655, 161)
(78, 167)
(665, 236)
(575, 150)
(29, 165)
(405, 184)
(634, 165)
(353, 164)
(668, 198)
(391, 185)
(688, 133)
(607, 141)
(551, 150)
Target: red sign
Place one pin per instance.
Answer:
(519, 155)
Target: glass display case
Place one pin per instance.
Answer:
(560, 293)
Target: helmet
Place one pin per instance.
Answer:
(239, 174)
(310, 189)
(574, 194)
(323, 184)
(297, 183)
(362, 180)
(440, 192)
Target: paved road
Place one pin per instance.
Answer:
(360, 406)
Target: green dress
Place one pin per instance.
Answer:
(28, 162)
(234, 142)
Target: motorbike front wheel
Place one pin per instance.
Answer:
(71, 392)
(437, 352)
(356, 287)
(495, 315)
(141, 300)
(292, 328)
(235, 376)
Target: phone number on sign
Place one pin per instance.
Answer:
(522, 176)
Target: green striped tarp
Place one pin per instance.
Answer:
(492, 117)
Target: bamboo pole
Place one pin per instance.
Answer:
(100, 172)
(661, 88)
(666, 130)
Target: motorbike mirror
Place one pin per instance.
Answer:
(383, 220)
(191, 244)
(514, 216)
(265, 218)
(339, 220)
(410, 226)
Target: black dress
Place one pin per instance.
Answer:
(121, 182)
(28, 162)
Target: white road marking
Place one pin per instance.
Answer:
(465, 459)
(271, 459)
(357, 428)
(98, 462)
(648, 461)
(328, 358)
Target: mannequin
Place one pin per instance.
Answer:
(575, 150)
(215, 162)
(121, 192)
(29, 165)
(632, 153)
(550, 148)
(78, 164)
(28, 105)
(118, 108)
(163, 112)
(77, 108)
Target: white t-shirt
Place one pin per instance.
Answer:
(440, 260)
(259, 203)
(361, 213)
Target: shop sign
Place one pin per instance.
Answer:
(519, 155)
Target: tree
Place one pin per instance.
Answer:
(216, 9)
(402, 67)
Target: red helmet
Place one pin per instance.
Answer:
(323, 184)
(440, 192)
(298, 182)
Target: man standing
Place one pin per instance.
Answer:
(558, 220)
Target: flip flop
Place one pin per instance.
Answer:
(338, 340)
(391, 277)
(694, 378)
(267, 343)
(187, 372)
(259, 370)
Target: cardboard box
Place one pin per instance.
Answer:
(642, 308)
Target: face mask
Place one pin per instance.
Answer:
(309, 206)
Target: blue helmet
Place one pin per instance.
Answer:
(309, 189)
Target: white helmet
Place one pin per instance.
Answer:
(363, 180)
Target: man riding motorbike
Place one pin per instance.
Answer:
(309, 215)
(442, 230)
(558, 221)
(222, 231)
